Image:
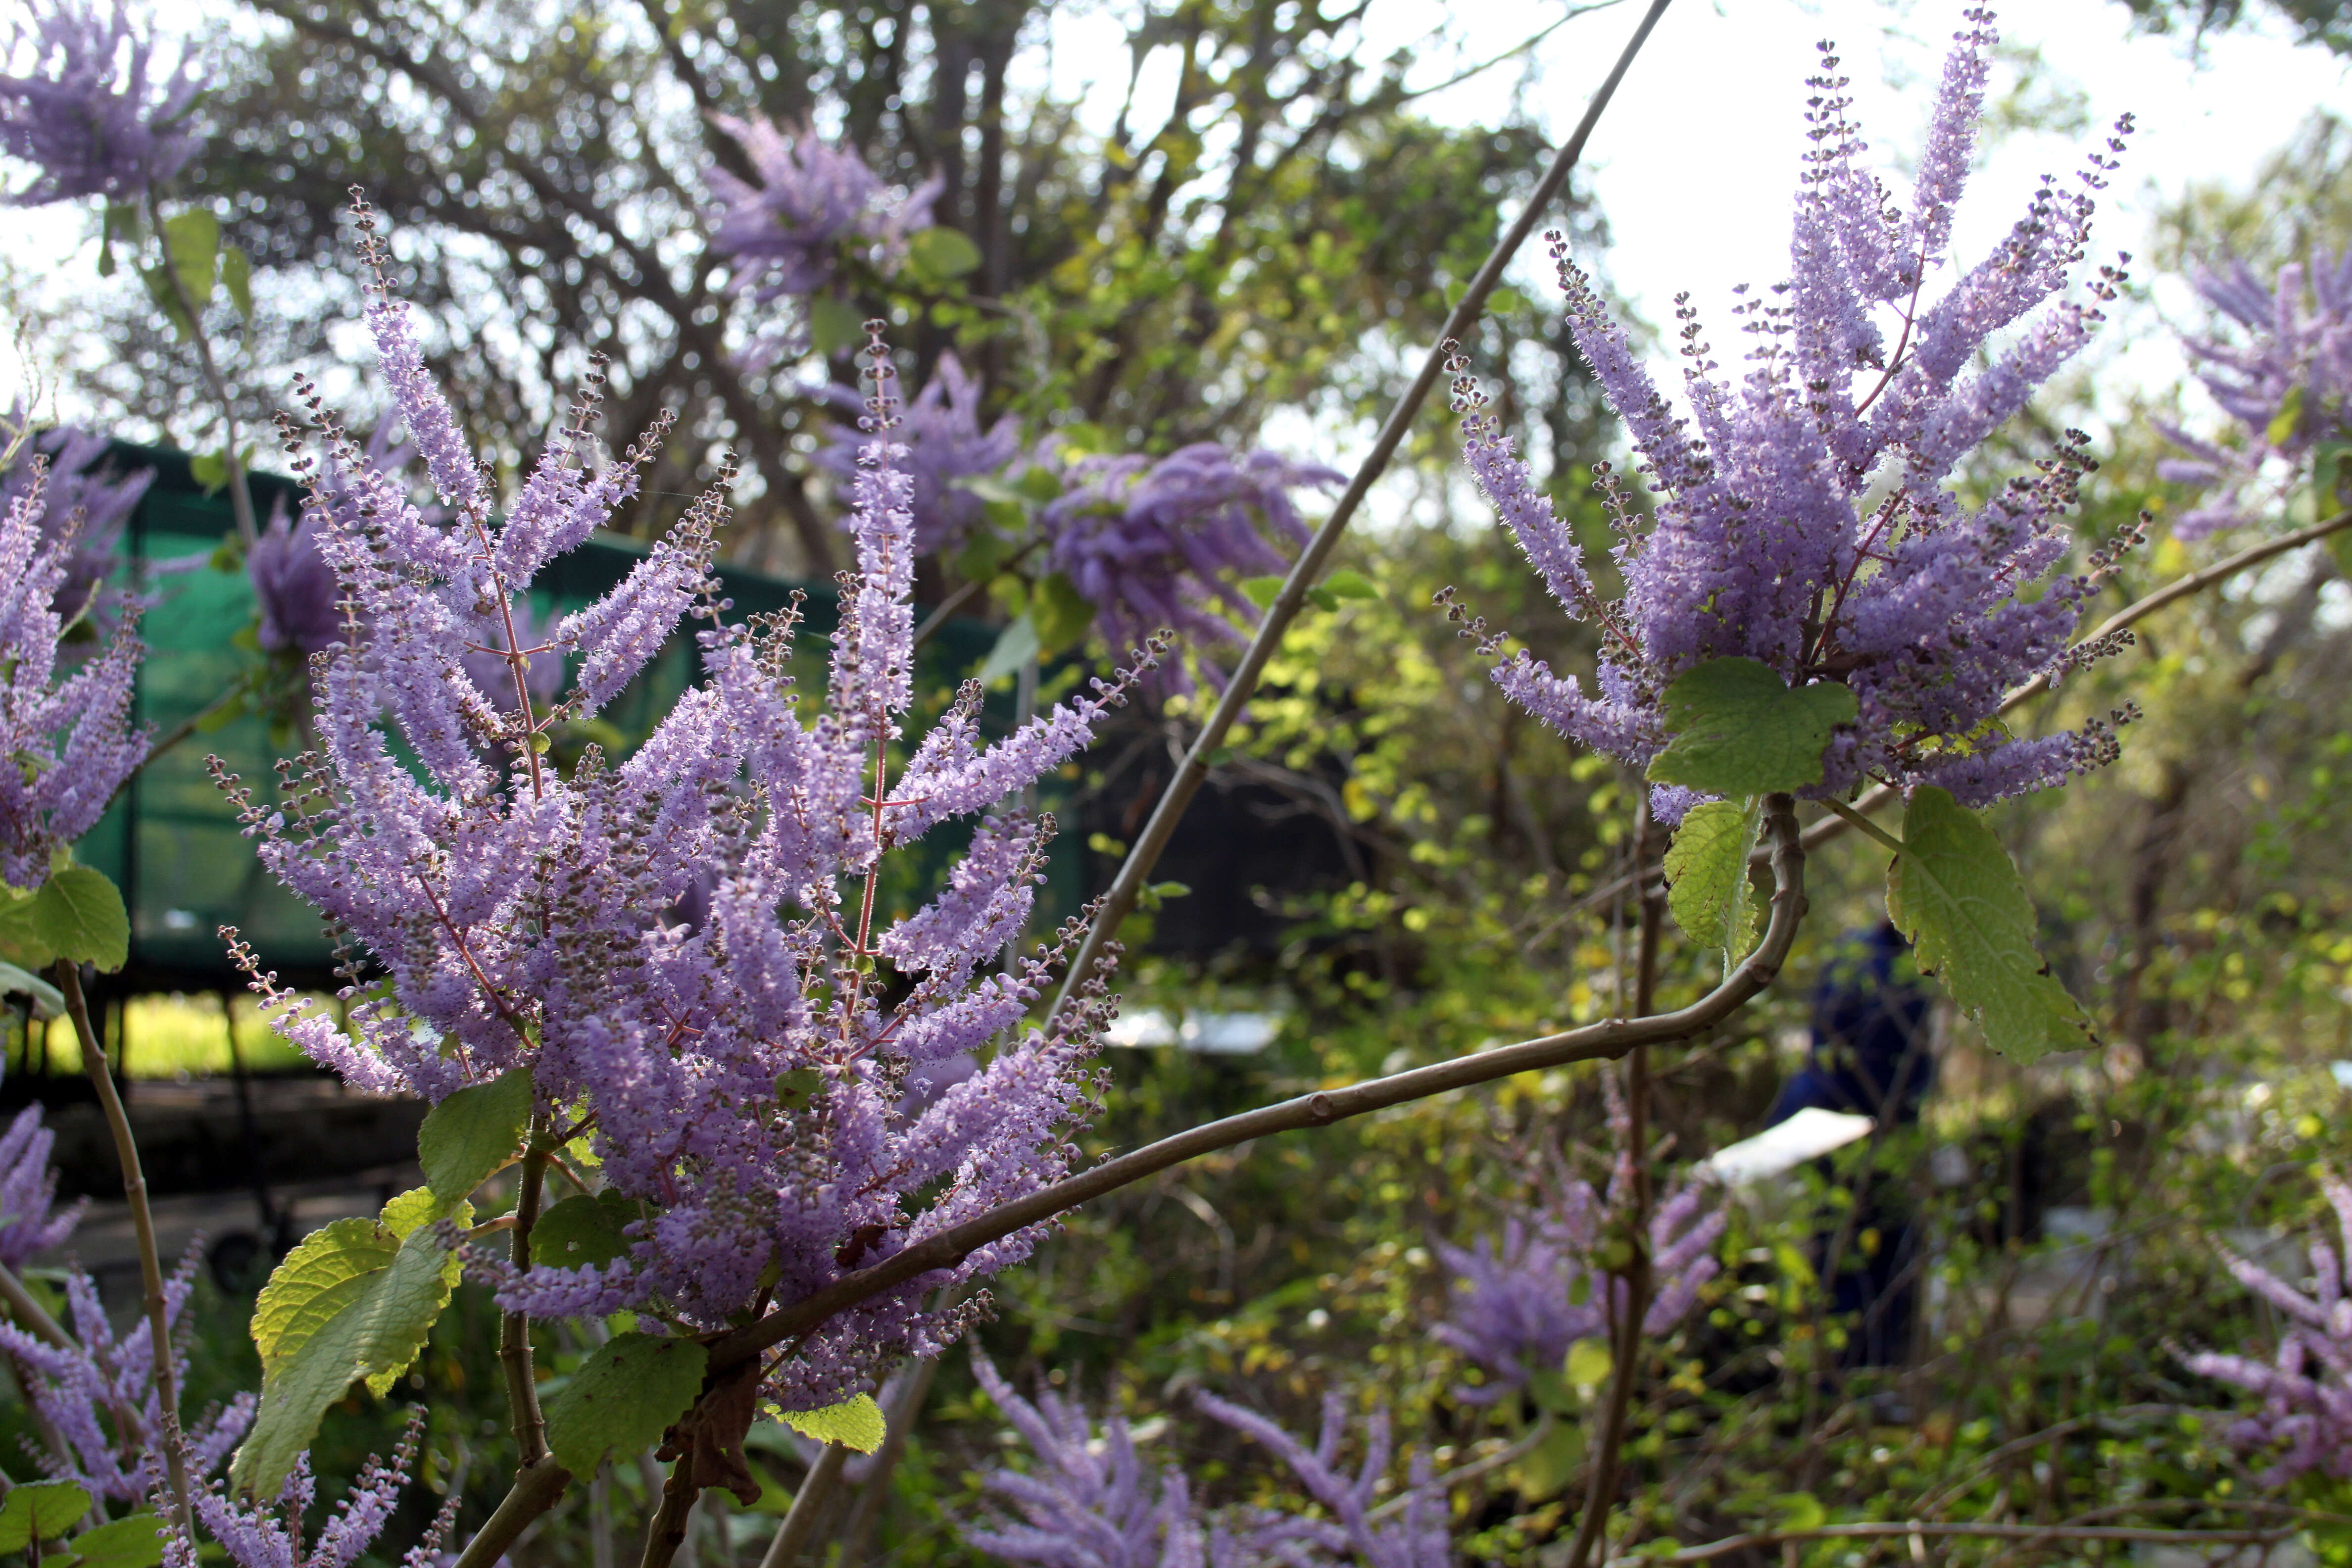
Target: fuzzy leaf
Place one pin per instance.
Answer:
(1739, 729)
(583, 1230)
(48, 1001)
(835, 326)
(1351, 585)
(473, 1132)
(622, 1399)
(416, 1208)
(192, 241)
(940, 254)
(79, 915)
(2283, 424)
(40, 1510)
(236, 276)
(1062, 614)
(136, 1541)
(855, 1422)
(1261, 591)
(1017, 645)
(352, 1301)
(1706, 875)
(1955, 892)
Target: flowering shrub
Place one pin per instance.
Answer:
(90, 114)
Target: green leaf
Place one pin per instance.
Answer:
(1017, 645)
(191, 242)
(209, 470)
(415, 1209)
(1062, 614)
(355, 1300)
(938, 255)
(583, 1230)
(135, 1541)
(1739, 729)
(1351, 585)
(1588, 1362)
(852, 1424)
(79, 915)
(48, 1002)
(1261, 591)
(1555, 1462)
(622, 1399)
(236, 276)
(2282, 424)
(1039, 484)
(473, 1132)
(989, 550)
(166, 299)
(835, 326)
(1955, 892)
(1800, 1510)
(40, 1510)
(1706, 875)
(1322, 598)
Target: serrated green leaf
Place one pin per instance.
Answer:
(48, 1001)
(1017, 645)
(473, 1132)
(583, 1230)
(135, 1541)
(835, 326)
(1738, 728)
(77, 914)
(209, 470)
(1062, 614)
(1351, 585)
(191, 241)
(2283, 424)
(236, 279)
(855, 1424)
(1955, 892)
(40, 1510)
(940, 254)
(1261, 591)
(418, 1208)
(1706, 875)
(621, 1398)
(358, 1304)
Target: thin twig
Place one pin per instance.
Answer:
(1876, 1532)
(800, 1522)
(143, 1226)
(1119, 902)
(514, 1331)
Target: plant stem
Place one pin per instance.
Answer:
(535, 1490)
(1136, 871)
(29, 1313)
(143, 1226)
(800, 1523)
(667, 1534)
(514, 1331)
(1853, 818)
(240, 500)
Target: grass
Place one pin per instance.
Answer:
(166, 1036)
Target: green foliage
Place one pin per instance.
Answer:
(835, 325)
(1016, 646)
(940, 256)
(77, 914)
(622, 1399)
(1706, 875)
(856, 1422)
(131, 1543)
(474, 1133)
(583, 1230)
(48, 1001)
(40, 1510)
(1738, 728)
(1955, 892)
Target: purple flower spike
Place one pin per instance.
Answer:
(28, 1186)
(1805, 515)
(1154, 544)
(2286, 386)
(271, 1536)
(90, 114)
(944, 442)
(91, 498)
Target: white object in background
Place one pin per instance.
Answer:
(1210, 1034)
(2342, 1072)
(1808, 1135)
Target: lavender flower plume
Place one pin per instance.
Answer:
(1805, 515)
(1164, 543)
(69, 741)
(745, 1075)
(270, 1535)
(94, 499)
(28, 1188)
(92, 114)
(2305, 1419)
(2286, 386)
(294, 588)
(944, 442)
(808, 201)
(1414, 1537)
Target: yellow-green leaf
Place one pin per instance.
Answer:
(583, 1230)
(854, 1423)
(40, 1510)
(135, 1541)
(1706, 875)
(79, 915)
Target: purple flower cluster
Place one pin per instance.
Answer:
(99, 1400)
(68, 742)
(90, 114)
(2287, 386)
(746, 1077)
(270, 1535)
(293, 587)
(1806, 514)
(2307, 1391)
(944, 441)
(1092, 1501)
(91, 498)
(787, 226)
(1162, 543)
(28, 1188)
